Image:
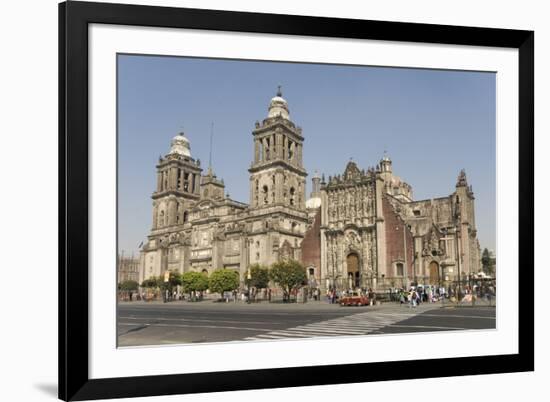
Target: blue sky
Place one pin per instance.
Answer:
(432, 123)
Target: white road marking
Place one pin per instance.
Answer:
(194, 320)
(427, 327)
(355, 324)
(197, 326)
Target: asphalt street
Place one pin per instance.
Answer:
(154, 323)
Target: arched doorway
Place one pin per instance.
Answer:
(434, 273)
(353, 270)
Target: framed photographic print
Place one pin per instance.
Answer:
(259, 201)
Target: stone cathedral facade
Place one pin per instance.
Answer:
(361, 228)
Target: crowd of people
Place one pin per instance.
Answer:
(413, 296)
(416, 295)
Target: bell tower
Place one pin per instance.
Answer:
(277, 175)
(178, 185)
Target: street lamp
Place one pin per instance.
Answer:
(458, 255)
(249, 277)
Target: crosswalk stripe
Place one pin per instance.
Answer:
(356, 324)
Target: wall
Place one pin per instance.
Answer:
(395, 244)
(29, 88)
(311, 246)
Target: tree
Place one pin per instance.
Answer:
(151, 282)
(174, 279)
(128, 285)
(194, 282)
(488, 262)
(259, 277)
(223, 280)
(289, 275)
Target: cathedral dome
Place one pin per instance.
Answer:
(278, 106)
(314, 202)
(180, 145)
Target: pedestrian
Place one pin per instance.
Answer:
(413, 296)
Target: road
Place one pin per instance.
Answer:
(181, 322)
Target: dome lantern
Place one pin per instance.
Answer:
(180, 145)
(278, 106)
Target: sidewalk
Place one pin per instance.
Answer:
(311, 305)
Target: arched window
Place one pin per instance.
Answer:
(265, 191)
(292, 193)
(290, 152)
(186, 182)
(185, 216)
(261, 151)
(161, 219)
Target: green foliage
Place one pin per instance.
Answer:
(128, 285)
(223, 280)
(289, 275)
(488, 262)
(194, 282)
(259, 277)
(173, 280)
(152, 282)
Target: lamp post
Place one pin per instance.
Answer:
(458, 255)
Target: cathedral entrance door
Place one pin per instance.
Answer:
(353, 270)
(434, 273)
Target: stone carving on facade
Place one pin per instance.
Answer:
(432, 246)
(184, 239)
(219, 233)
(286, 252)
(352, 241)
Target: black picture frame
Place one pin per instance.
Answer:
(74, 18)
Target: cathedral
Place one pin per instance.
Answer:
(360, 228)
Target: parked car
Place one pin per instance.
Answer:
(354, 299)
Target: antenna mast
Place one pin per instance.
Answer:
(211, 139)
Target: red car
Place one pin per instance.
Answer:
(354, 299)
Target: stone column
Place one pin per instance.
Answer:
(172, 211)
(252, 191)
(256, 150)
(197, 183)
(155, 215)
(159, 181)
(279, 138)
